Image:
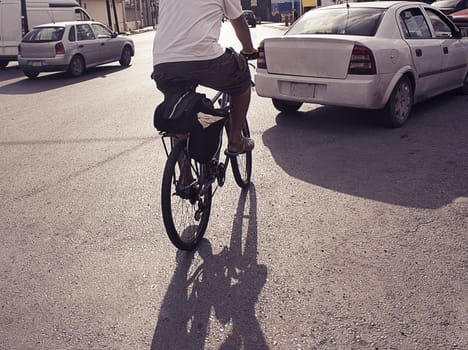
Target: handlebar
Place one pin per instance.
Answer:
(250, 55)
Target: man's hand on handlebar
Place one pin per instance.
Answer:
(250, 55)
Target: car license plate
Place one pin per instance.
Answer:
(302, 90)
(36, 63)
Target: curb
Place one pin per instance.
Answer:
(138, 31)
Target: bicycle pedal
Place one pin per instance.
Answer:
(188, 192)
(221, 174)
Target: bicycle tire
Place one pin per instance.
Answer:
(182, 227)
(242, 164)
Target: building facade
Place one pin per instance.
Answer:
(123, 15)
(128, 15)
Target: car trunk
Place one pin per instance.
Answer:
(309, 56)
(38, 49)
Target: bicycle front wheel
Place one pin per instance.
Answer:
(185, 208)
(242, 164)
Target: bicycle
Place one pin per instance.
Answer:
(187, 184)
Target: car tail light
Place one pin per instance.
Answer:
(59, 49)
(19, 50)
(261, 60)
(23, 26)
(362, 61)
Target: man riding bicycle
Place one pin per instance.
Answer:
(186, 48)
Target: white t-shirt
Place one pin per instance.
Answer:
(189, 29)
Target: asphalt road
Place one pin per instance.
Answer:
(351, 236)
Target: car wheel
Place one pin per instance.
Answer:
(31, 75)
(3, 63)
(286, 106)
(76, 67)
(398, 108)
(464, 89)
(126, 56)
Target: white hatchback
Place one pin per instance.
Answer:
(375, 55)
(72, 47)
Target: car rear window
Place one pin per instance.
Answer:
(44, 34)
(345, 21)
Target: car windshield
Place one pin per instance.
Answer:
(343, 20)
(44, 34)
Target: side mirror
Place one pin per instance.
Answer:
(114, 34)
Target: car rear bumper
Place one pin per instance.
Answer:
(359, 91)
(48, 68)
(43, 65)
(8, 58)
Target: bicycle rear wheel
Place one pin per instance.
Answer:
(242, 164)
(185, 209)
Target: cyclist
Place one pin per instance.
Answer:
(186, 46)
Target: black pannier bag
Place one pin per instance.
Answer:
(191, 112)
(178, 112)
(205, 138)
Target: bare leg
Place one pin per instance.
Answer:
(239, 107)
(186, 177)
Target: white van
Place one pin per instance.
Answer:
(18, 16)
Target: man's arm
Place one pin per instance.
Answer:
(243, 33)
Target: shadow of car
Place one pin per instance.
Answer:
(72, 47)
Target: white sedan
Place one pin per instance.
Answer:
(374, 55)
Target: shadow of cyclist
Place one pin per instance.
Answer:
(224, 285)
(246, 276)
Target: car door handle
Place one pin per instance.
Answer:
(102, 44)
(80, 46)
(445, 50)
(418, 52)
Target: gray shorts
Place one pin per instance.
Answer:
(228, 73)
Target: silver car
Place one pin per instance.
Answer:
(72, 47)
(381, 55)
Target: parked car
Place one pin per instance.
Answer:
(376, 55)
(73, 47)
(17, 17)
(250, 18)
(460, 18)
(449, 6)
